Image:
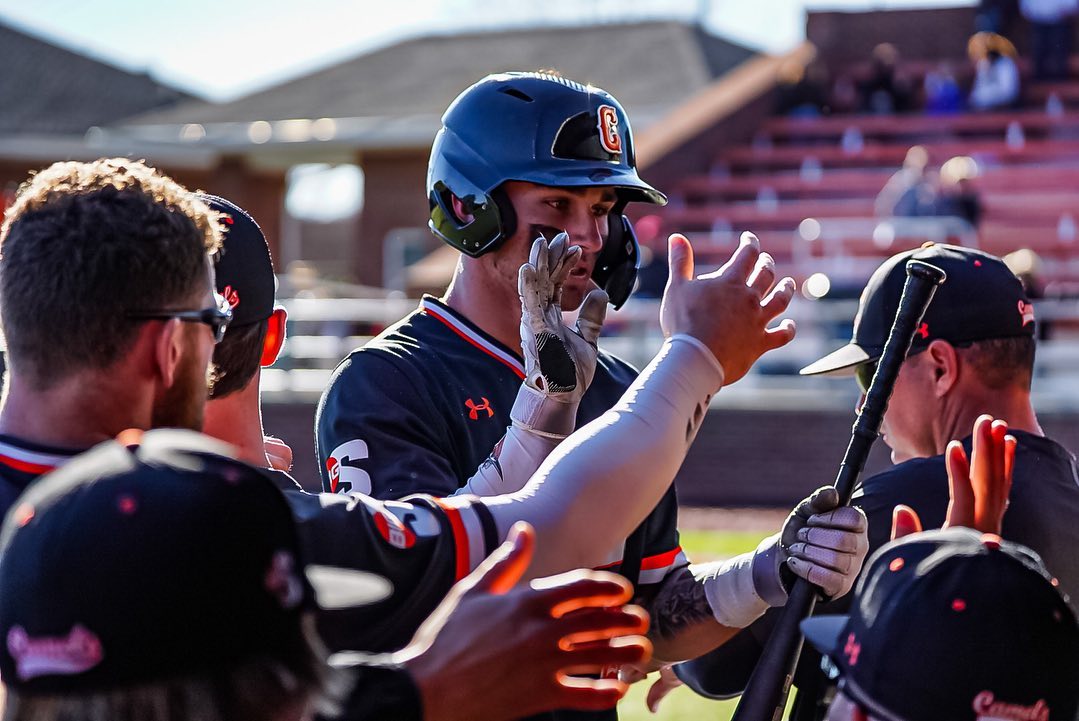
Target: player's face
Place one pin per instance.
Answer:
(907, 427)
(547, 211)
(181, 405)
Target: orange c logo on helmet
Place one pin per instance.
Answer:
(608, 129)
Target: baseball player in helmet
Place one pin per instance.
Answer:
(522, 156)
(510, 133)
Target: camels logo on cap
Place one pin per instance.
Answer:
(78, 651)
(608, 129)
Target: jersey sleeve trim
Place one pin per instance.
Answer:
(460, 538)
(655, 568)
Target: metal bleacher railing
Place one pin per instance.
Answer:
(323, 331)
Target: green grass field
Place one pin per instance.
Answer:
(682, 704)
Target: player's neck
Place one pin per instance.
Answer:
(236, 419)
(1011, 405)
(78, 412)
(488, 305)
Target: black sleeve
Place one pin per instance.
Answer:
(375, 432)
(422, 545)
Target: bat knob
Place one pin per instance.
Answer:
(926, 271)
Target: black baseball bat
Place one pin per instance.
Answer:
(765, 696)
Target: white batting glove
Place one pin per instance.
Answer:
(559, 362)
(819, 542)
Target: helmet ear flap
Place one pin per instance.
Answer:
(473, 237)
(618, 262)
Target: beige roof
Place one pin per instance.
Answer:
(396, 95)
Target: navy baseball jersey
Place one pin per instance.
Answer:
(420, 407)
(21, 462)
(421, 544)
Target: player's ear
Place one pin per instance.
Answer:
(168, 348)
(275, 337)
(943, 363)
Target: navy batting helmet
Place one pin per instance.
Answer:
(541, 129)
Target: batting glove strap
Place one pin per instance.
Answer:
(542, 414)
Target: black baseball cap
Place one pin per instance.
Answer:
(980, 300)
(244, 271)
(135, 564)
(955, 625)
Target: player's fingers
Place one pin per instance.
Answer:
(543, 266)
(589, 694)
(679, 258)
(526, 285)
(594, 657)
(833, 539)
(666, 683)
(960, 490)
(829, 581)
(905, 521)
(741, 264)
(826, 557)
(821, 500)
(590, 318)
(1009, 459)
(278, 453)
(586, 626)
(763, 275)
(998, 432)
(780, 336)
(779, 299)
(539, 246)
(501, 571)
(563, 258)
(567, 592)
(847, 518)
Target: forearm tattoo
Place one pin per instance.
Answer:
(679, 604)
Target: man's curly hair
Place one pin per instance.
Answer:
(82, 245)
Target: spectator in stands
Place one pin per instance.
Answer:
(943, 95)
(1052, 24)
(911, 191)
(992, 16)
(803, 89)
(958, 197)
(886, 89)
(996, 76)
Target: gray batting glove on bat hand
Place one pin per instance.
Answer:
(559, 362)
(821, 542)
(730, 309)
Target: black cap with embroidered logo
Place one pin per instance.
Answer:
(981, 299)
(955, 625)
(136, 564)
(244, 271)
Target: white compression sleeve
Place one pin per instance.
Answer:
(511, 463)
(601, 482)
(539, 423)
